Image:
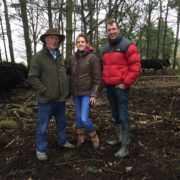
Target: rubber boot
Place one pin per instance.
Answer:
(117, 136)
(81, 137)
(94, 139)
(124, 151)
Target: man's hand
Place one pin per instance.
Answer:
(120, 86)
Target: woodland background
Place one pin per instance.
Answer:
(154, 103)
(152, 24)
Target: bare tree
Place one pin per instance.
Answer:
(50, 14)
(8, 28)
(176, 5)
(4, 42)
(165, 29)
(159, 28)
(69, 29)
(0, 57)
(36, 22)
(23, 8)
(177, 35)
(150, 7)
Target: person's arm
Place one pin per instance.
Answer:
(96, 73)
(134, 65)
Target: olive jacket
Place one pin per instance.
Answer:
(48, 77)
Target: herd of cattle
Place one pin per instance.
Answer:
(156, 64)
(14, 74)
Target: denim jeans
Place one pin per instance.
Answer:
(82, 106)
(119, 101)
(45, 112)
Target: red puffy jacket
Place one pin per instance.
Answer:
(121, 62)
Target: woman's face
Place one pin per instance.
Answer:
(81, 43)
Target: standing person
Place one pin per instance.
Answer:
(85, 79)
(47, 76)
(121, 68)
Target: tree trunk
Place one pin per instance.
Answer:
(69, 30)
(8, 28)
(4, 42)
(159, 30)
(148, 30)
(50, 14)
(26, 31)
(60, 24)
(97, 29)
(177, 39)
(0, 57)
(165, 30)
(91, 9)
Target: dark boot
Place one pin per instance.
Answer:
(117, 135)
(124, 151)
(94, 139)
(81, 137)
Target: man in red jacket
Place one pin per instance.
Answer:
(121, 68)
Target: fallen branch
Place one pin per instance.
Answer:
(9, 143)
(112, 171)
(144, 114)
(12, 117)
(78, 161)
(29, 99)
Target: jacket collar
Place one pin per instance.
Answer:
(46, 50)
(79, 53)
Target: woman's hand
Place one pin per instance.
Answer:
(92, 101)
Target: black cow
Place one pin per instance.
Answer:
(156, 64)
(11, 74)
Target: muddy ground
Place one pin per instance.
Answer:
(155, 145)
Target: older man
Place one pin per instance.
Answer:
(47, 76)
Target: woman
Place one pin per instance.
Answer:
(85, 79)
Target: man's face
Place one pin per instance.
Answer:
(52, 42)
(112, 31)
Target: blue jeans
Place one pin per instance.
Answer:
(45, 112)
(82, 106)
(119, 101)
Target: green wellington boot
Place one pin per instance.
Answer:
(124, 150)
(117, 135)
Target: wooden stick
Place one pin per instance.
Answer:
(9, 143)
(29, 99)
(78, 161)
(113, 171)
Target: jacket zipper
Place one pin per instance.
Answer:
(83, 75)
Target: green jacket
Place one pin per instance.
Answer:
(48, 77)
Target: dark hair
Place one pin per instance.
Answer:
(111, 22)
(83, 36)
